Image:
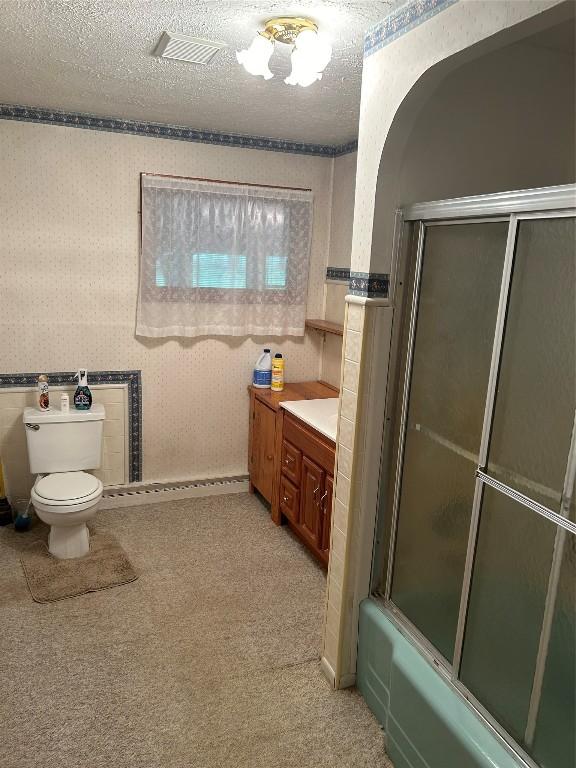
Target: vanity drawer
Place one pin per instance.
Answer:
(289, 500)
(309, 442)
(291, 462)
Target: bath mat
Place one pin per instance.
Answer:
(50, 579)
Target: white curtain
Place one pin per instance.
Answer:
(222, 259)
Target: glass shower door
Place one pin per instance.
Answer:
(453, 321)
(482, 563)
(520, 579)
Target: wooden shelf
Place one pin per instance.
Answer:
(325, 326)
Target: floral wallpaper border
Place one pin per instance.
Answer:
(369, 284)
(340, 274)
(175, 132)
(401, 21)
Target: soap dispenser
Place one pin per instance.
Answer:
(82, 396)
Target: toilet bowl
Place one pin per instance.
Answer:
(66, 501)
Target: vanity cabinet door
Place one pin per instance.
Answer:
(311, 489)
(291, 462)
(326, 511)
(263, 448)
(289, 499)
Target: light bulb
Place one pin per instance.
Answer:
(306, 39)
(302, 74)
(303, 79)
(310, 56)
(255, 59)
(315, 47)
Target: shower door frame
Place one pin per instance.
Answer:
(513, 207)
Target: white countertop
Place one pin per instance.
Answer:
(321, 415)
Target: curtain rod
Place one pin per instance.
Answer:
(224, 181)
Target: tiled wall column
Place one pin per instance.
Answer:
(367, 337)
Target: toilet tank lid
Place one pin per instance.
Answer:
(36, 416)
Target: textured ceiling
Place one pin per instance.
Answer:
(94, 56)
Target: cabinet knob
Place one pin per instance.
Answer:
(270, 457)
(285, 499)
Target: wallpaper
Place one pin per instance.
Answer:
(339, 257)
(69, 265)
(342, 218)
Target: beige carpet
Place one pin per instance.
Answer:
(50, 578)
(208, 660)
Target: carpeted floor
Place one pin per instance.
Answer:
(209, 660)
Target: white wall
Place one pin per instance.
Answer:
(69, 267)
(390, 74)
(340, 254)
(501, 122)
(342, 217)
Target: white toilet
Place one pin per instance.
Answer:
(61, 445)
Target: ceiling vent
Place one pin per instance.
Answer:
(185, 48)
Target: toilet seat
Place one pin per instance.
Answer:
(67, 491)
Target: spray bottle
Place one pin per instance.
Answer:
(82, 396)
(43, 395)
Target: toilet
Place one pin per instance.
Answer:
(61, 446)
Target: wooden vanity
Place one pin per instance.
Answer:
(291, 464)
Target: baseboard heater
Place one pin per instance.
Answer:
(131, 495)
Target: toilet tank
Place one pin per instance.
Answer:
(64, 442)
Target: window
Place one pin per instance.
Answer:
(221, 258)
(218, 270)
(479, 563)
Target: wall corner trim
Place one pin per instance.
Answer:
(366, 301)
(347, 681)
(327, 671)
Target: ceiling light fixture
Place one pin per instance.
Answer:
(311, 50)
